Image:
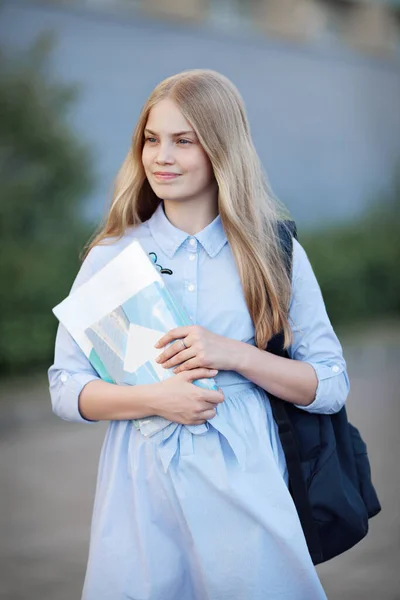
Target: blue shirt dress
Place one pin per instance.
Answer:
(202, 512)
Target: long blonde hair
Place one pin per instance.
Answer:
(249, 212)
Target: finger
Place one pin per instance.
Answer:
(173, 334)
(213, 397)
(210, 405)
(181, 357)
(209, 413)
(199, 374)
(171, 351)
(189, 365)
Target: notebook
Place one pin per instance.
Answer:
(117, 316)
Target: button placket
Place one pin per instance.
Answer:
(191, 278)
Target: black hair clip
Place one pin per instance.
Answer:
(163, 271)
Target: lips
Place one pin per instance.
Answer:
(165, 176)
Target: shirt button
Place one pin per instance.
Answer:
(193, 241)
(63, 377)
(191, 287)
(192, 256)
(335, 369)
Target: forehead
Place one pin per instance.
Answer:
(165, 117)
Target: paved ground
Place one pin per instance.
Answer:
(47, 478)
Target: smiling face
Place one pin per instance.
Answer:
(174, 161)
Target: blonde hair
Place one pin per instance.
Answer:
(249, 212)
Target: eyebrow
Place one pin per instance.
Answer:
(179, 133)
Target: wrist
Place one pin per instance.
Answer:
(151, 398)
(238, 355)
(248, 356)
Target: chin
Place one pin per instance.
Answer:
(169, 193)
(164, 194)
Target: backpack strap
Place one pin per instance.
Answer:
(287, 231)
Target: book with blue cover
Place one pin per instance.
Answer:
(116, 318)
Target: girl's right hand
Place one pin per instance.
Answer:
(179, 400)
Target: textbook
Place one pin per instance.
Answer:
(117, 316)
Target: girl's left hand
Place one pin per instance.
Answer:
(197, 347)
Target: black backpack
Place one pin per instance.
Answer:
(327, 461)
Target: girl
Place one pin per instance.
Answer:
(202, 510)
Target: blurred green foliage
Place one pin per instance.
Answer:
(45, 174)
(358, 264)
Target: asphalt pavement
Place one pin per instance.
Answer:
(48, 472)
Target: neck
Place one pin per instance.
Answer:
(189, 215)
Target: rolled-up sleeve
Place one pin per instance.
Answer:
(71, 370)
(314, 340)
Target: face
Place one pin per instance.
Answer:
(174, 161)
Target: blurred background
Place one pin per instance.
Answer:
(321, 82)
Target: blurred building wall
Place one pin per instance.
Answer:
(325, 120)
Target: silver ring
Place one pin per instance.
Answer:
(184, 345)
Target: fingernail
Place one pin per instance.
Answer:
(157, 359)
(214, 371)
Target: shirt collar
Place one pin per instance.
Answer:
(170, 238)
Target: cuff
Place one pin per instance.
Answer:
(66, 398)
(332, 390)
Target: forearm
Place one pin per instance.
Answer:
(291, 380)
(102, 401)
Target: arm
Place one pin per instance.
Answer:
(102, 401)
(176, 399)
(316, 379)
(290, 380)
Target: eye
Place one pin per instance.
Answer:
(183, 142)
(151, 140)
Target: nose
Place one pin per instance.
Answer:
(164, 155)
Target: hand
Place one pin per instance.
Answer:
(197, 347)
(179, 400)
